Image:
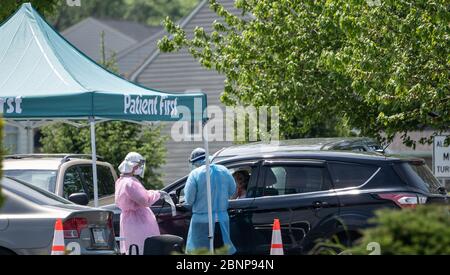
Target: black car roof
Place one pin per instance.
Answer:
(348, 156)
(305, 144)
(373, 158)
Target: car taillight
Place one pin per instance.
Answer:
(72, 227)
(404, 200)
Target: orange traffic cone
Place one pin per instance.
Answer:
(277, 243)
(58, 239)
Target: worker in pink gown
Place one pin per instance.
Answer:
(137, 221)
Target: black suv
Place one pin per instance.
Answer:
(314, 194)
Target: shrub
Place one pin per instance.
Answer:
(421, 231)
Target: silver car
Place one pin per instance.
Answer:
(27, 220)
(66, 175)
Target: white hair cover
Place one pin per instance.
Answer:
(131, 160)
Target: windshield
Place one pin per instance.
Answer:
(419, 175)
(32, 193)
(45, 179)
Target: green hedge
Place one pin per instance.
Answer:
(421, 231)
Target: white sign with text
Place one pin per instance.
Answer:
(441, 157)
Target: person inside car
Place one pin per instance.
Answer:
(241, 177)
(137, 221)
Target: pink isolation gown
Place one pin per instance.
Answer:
(137, 221)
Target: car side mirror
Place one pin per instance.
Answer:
(79, 198)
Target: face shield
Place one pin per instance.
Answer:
(140, 170)
(133, 163)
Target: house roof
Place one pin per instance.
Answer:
(119, 35)
(156, 52)
(132, 58)
(135, 30)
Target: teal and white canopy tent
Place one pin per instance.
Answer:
(44, 78)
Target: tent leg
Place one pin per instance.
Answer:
(208, 190)
(94, 160)
(29, 138)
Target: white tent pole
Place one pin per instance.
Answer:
(94, 160)
(29, 138)
(208, 189)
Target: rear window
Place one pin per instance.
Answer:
(290, 179)
(105, 180)
(45, 179)
(418, 174)
(72, 182)
(351, 174)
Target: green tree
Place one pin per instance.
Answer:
(381, 69)
(153, 12)
(66, 16)
(114, 139)
(8, 7)
(397, 55)
(150, 12)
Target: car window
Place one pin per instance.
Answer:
(45, 179)
(180, 193)
(292, 179)
(245, 178)
(72, 182)
(105, 180)
(251, 187)
(350, 174)
(418, 174)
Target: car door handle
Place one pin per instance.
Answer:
(235, 211)
(319, 204)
